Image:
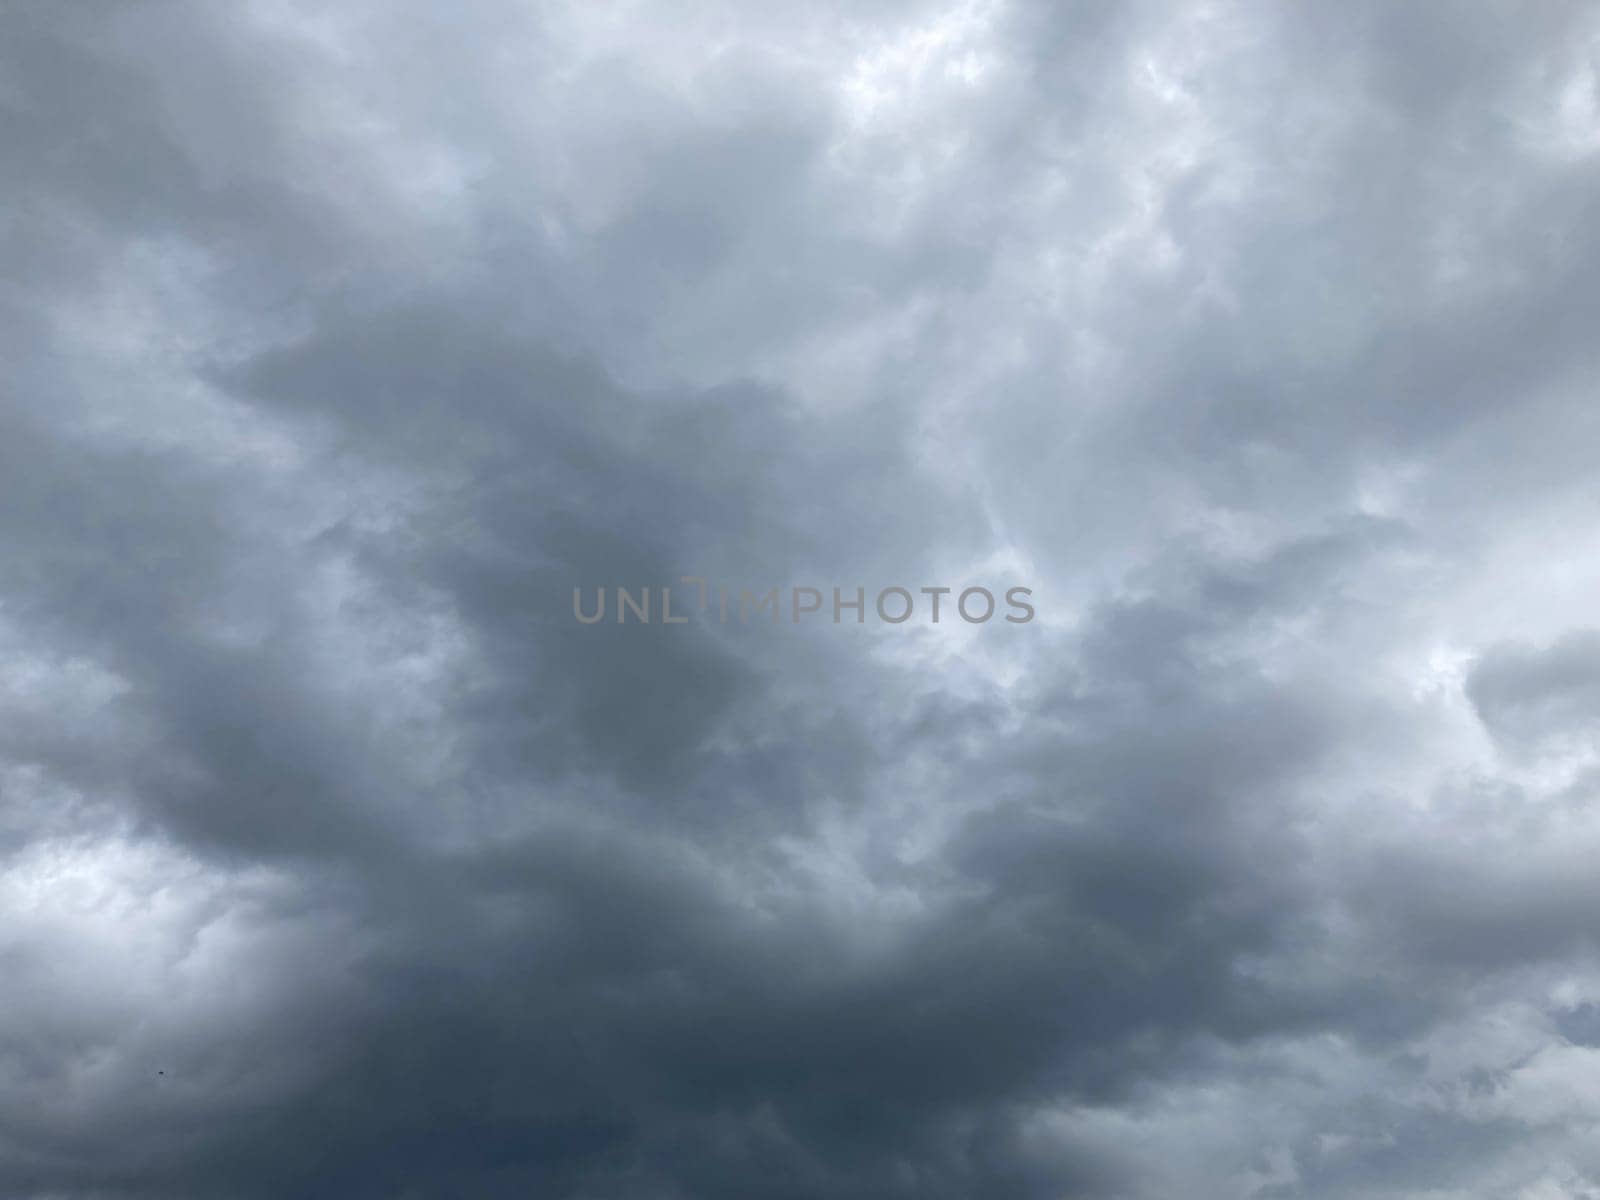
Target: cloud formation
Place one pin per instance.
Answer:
(342, 344)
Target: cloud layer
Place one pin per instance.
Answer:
(343, 343)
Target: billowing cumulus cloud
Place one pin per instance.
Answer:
(342, 343)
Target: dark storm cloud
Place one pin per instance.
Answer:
(339, 860)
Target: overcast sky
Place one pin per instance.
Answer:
(340, 342)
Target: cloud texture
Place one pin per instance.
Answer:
(343, 342)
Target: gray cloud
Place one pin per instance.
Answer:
(339, 860)
(1524, 694)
